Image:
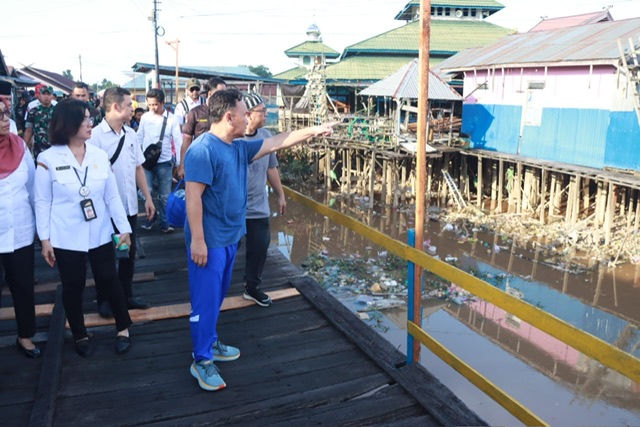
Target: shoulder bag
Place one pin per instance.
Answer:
(152, 152)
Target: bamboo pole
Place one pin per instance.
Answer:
(500, 185)
(479, 186)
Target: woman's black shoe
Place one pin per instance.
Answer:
(122, 344)
(31, 354)
(83, 347)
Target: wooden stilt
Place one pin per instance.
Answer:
(500, 185)
(372, 178)
(479, 186)
(517, 188)
(494, 184)
(576, 203)
(610, 213)
(552, 196)
(543, 192)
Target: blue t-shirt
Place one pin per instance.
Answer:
(223, 168)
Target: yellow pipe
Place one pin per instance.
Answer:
(591, 346)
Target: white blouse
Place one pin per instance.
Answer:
(17, 221)
(59, 216)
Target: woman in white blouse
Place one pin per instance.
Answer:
(76, 197)
(17, 229)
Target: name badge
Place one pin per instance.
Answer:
(63, 168)
(87, 209)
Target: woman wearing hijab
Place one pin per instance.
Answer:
(17, 229)
(76, 196)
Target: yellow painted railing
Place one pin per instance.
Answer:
(588, 344)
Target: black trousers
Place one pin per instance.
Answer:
(257, 240)
(18, 268)
(72, 266)
(125, 265)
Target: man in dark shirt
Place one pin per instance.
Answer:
(197, 121)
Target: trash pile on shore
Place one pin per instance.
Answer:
(568, 241)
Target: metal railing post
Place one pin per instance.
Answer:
(411, 241)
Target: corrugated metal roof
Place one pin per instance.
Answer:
(404, 84)
(572, 21)
(446, 36)
(292, 74)
(587, 44)
(366, 68)
(312, 48)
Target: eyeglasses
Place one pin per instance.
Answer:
(194, 89)
(6, 115)
(88, 121)
(260, 111)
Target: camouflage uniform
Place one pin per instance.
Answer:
(95, 114)
(38, 119)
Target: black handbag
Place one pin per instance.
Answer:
(152, 152)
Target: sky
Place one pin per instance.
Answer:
(110, 36)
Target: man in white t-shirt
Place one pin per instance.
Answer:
(190, 101)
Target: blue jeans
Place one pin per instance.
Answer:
(162, 173)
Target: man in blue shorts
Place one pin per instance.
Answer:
(216, 167)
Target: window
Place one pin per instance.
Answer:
(447, 11)
(306, 60)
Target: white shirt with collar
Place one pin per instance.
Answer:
(180, 111)
(149, 133)
(59, 217)
(18, 225)
(124, 168)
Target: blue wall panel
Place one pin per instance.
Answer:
(492, 127)
(623, 141)
(568, 135)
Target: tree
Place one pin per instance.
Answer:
(105, 84)
(67, 74)
(260, 70)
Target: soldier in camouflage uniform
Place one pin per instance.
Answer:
(36, 133)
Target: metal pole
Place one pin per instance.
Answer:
(155, 35)
(411, 314)
(421, 171)
(175, 45)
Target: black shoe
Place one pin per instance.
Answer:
(83, 347)
(133, 303)
(31, 354)
(257, 296)
(104, 310)
(122, 344)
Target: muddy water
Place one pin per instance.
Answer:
(555, 381)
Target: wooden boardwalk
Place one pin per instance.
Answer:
(306, 360)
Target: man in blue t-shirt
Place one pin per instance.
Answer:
(216, 174)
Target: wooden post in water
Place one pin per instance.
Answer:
(500, 185)
(423, 106)
(543, 192)
(479, 185)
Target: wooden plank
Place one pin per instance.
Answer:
(51, 286)
(153, 313)
(438, 400)
(44, 406)
(182, 310)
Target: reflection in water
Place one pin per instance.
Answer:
(601, 301)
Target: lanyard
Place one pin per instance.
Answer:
(84, 190)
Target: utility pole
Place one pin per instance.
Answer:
(80, 60)
(175, 45)
(156, 30)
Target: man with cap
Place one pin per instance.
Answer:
(35, 102)
(37, 124)
(197, 121)
(190, 101)
(258, 234)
